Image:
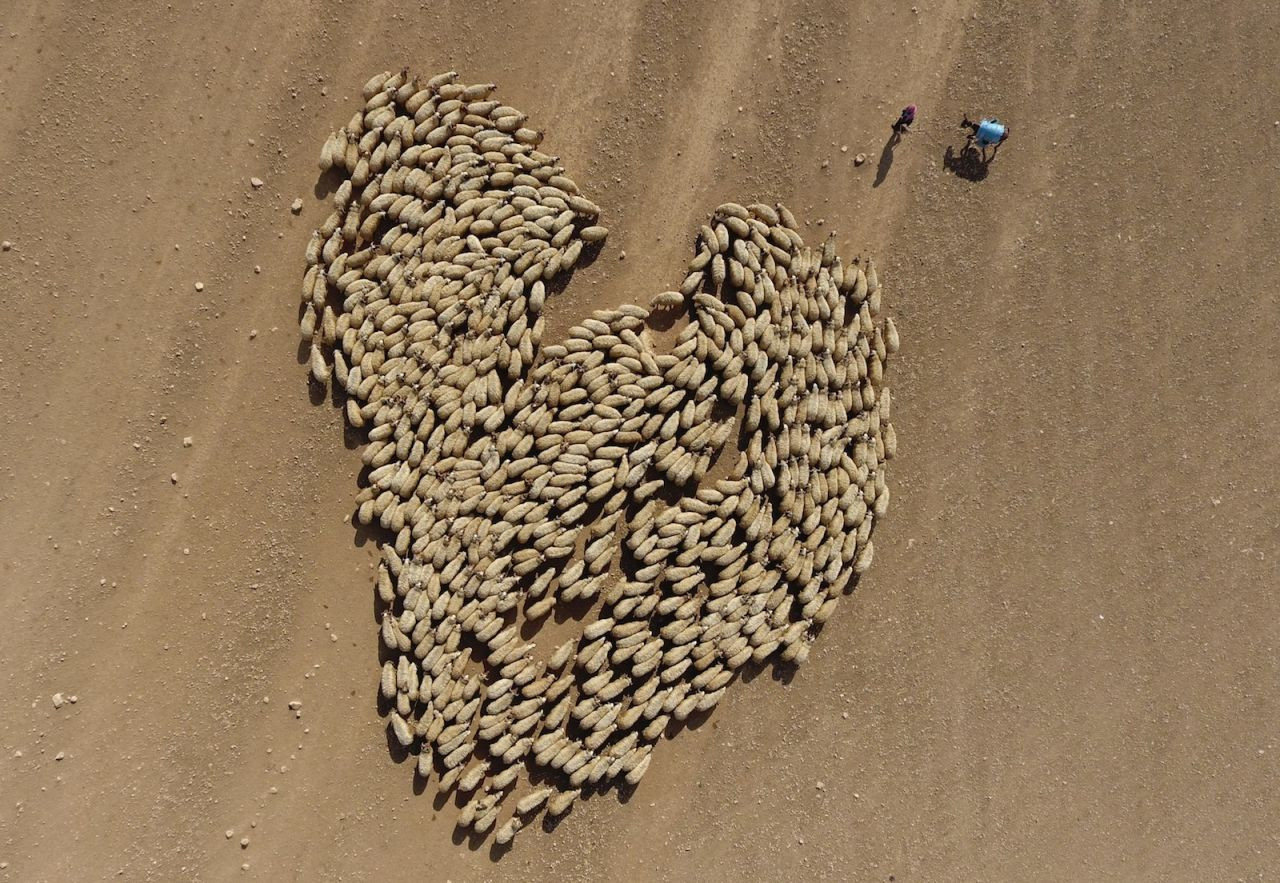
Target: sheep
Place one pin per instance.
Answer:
(512, 471)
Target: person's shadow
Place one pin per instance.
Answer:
(886, 158)
(969, 163)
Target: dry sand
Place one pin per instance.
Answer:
(1063, 664)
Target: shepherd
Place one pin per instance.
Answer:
(905, 119)
(988, 132)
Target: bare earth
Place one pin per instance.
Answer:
(1063, 664)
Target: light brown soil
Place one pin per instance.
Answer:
(1063, 664)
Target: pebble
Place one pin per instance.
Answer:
(844, 148)
(295, 704)
(199, 286)
(230, 833)
(244, 842)
(296, 206)
(60, 755)
(6, 245)
(253, 333)
(826, 163)
(173, 477)
(821, 786)
(257, 268)
(256, 182)
(859, 159)
(188, 441)
(58, 699)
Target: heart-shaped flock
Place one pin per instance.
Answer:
(699, 506)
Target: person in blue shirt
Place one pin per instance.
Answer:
(987, 132)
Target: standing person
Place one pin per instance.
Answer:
(988, 132)
(905, 119)
(992, 133)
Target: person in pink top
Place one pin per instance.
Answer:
(905, 119)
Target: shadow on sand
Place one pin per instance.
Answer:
(969, 163)
(886, 158)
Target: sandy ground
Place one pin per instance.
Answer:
(1063, 664)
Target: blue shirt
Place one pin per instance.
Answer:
(990, 132)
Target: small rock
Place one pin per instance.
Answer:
(820, 786)
(58, 700)
(73, 699)
(188, 441)
(60, 755)
(6, 245)
(230, 833)
(256, 182)
(295, 704)
(844, 148)
(253, 332)
(244, 842)
(173, 477)
(622, 255)
(295, 206)
(844, 714)
(199, 286)
(245, 866)
(859, 159)
(826, 163)
(257, 268)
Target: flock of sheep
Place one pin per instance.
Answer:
(702, 503)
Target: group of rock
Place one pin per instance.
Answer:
(701, 505)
